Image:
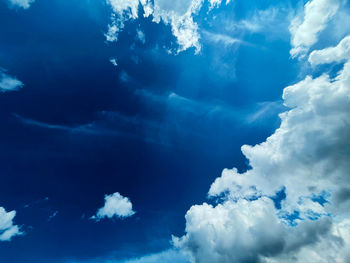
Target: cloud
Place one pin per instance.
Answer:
(224, 39)
(244, 231)
(25, 4)
(7, 229)
(86, 128)
(168, 256)
(305, 27)
(9, 83)
(115, 205)
(264, 110)
(141, 36)
(124, 77)
(53, 215)
(332, 54)
(179, 15)
(307, 158)
(113, 61)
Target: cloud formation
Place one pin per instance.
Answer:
(25, 4)
(306, 159)
(179, 15)
(7, 228)
(115, 205)
(305, 27)
(9, 83)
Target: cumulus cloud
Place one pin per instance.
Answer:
(115, 205)
(9, 83)
(25, 4)
(179, 15)
(307, 158)
(332, 54)
(306, 27)
(7, 228)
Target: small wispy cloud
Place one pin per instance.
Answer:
(25, 4)
(9, 83)
(264, 110)
(167, 256)
(141, 36)
(218, 38)
(54, 214)
(86, 128)
(113, 61)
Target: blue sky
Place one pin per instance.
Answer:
(122, 121)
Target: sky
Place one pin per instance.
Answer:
(187, 131)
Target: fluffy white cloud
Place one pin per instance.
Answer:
(115, 205)
(245, 231)
(332, 54)
(307, 156)
(305, 28)
(8, 83)
(7, 229)
(179, 15)
(25, 4)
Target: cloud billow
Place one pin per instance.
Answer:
(308, 157)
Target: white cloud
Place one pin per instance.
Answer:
(7, 229)
(244, 231)
(179, 15)
(115, 205)
(261, 20)
(113, 61)
(141, 36)
(25, 4)
(216, 38)
(332, 54)
(306, 27)
(9, 83)
(308, 156)
(168, 256)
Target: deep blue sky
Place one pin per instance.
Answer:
(161, 153)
